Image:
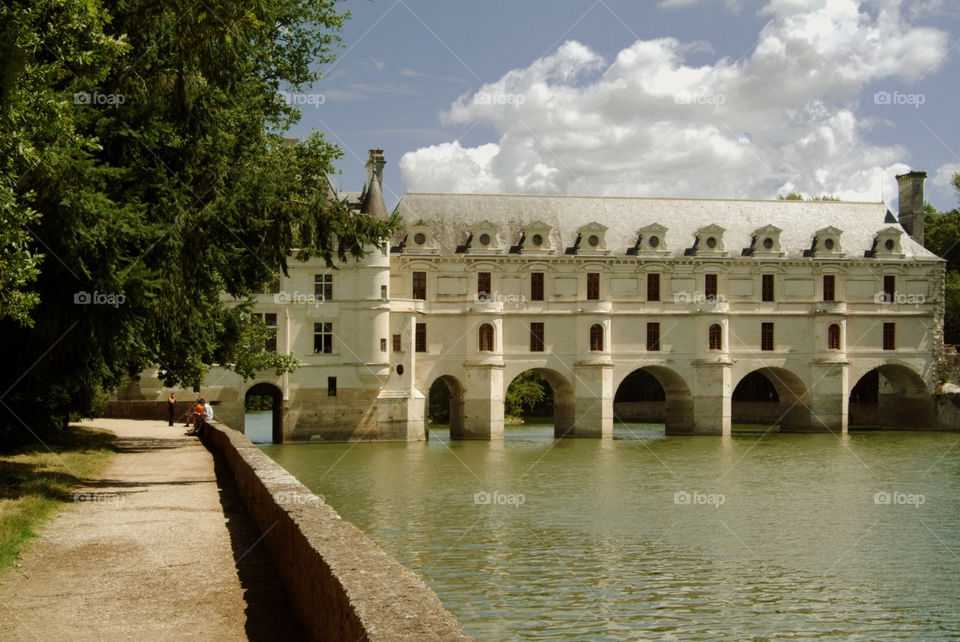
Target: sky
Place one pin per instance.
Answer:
(668, 98)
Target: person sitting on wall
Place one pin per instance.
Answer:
(193, 419)
(207, 411)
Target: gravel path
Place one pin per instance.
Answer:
(155, 549)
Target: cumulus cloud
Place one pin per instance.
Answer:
(648, 122)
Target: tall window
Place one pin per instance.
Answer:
(274, 287)
(593, 286)
(483, 286)
(486, 338)
(420, 285)
(889, 336)
(829, 287)
(766, 287)
(323, 287)
(270, 320)
(536, 286)
(536, 336)
(596, 337)
(653, 337)
(331, 386)
(420, 339)
(710, 286)
(766, 336)
(653, 287)
(323, 337)
(889, 288)
(397, 345)
(833, 337)
(715, 337)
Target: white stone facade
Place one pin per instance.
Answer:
(699, 293)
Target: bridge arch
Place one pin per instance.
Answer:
(772, 396)
(447, 390)
(657, 394)
(275, 395)
(563, 399)
(890, 395)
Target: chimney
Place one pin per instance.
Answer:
(375, 167)
(911, 204)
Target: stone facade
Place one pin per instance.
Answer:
(698, 293)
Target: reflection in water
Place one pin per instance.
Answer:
(650, 536)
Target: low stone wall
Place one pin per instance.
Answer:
(342, 586)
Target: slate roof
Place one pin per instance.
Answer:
(450, 217)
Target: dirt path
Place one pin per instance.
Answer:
(158, 550)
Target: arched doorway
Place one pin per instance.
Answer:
(655, 394)
(771, 397)
(263, 414)
(445, 405)
(890, 396)
(541, 392)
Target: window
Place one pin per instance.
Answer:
(653, 337)
(486, 338)
(536, 286)
(274, 287)
(323, 337)
(383, 345)
(889, 336)
(766, 287)
(710, 286)
(396, 343)
(653, 287)
(383, 292)
(331, 386)
(596, 338)
(833, 337)
(483, 286)
(829, 287)
(593, 286)
(889, 288)
(270, 320)
(766, 336)
(536, 337)
(420, 340)
(420, 285)
(715, 337)
(323, 287)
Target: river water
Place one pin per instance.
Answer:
(648, 537)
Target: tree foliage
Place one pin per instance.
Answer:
(941, 235)
(146, 164)
(529, 391)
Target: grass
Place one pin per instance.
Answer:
(36, 480)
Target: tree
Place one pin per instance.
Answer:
(525, 393)
(167, 183)
(941, 235)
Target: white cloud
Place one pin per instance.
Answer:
(647, 122)
(940, 184)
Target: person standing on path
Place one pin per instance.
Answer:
(171, 405)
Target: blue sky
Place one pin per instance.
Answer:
(697, 98)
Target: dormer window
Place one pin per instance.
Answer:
(826, 242)
(709, 242)
(766, 242)
(486, 239)
(537, 236)
(887, 243)
(593, 239)
(420, 239)
(651, 241)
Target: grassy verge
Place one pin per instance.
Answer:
(35, 481)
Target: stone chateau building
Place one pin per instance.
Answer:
(698, 313)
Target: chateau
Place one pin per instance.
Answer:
(697, 313)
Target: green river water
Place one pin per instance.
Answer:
(651, 537)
